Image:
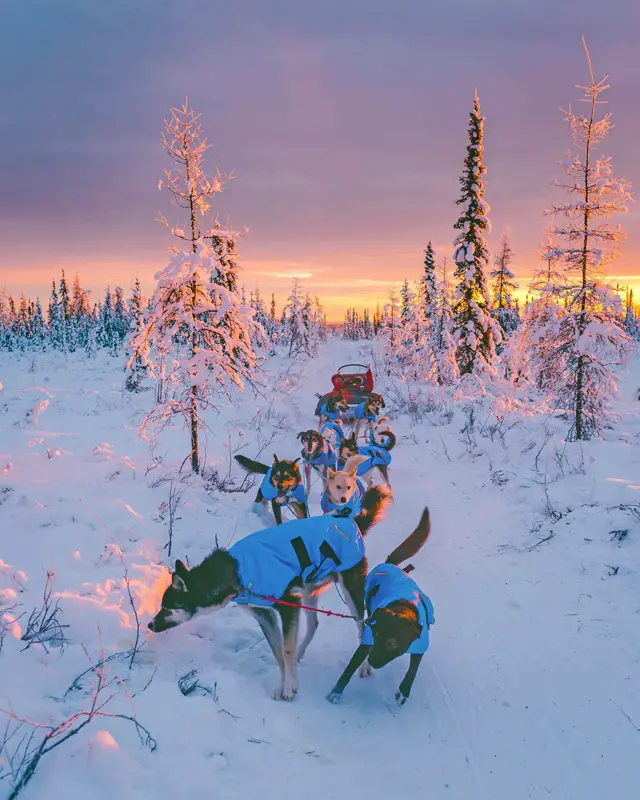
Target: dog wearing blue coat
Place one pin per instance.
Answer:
(272, 572)
(399, 617)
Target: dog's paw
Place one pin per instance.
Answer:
(334, 697)
(365, 671)
(287, 690)
(401, 699)
(284, 693)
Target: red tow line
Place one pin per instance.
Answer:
(280, 602)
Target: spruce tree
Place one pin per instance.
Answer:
(504, 287)
(589, 342)
(65, 300)
(429, 282)
(196, 307)
(120, 315)
(135, 369)
(474, 330)
(57, 328)
(39, 328)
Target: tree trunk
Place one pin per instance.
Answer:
(195, 456)
(582, 322)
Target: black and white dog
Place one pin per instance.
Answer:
(283, 563)
(399, 616)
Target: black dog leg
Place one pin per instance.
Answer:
(358, 658)
(352, 581)
(277, 512)
(402, 695)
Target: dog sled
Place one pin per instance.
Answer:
(356, 387)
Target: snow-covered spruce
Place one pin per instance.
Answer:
(504, 287)
(475, 332)
(303, 325)
(583, 340)
(203, 338)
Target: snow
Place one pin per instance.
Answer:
(529, 689)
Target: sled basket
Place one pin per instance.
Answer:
(360, 382)
(355, 386)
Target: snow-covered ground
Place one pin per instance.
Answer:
(529, 690)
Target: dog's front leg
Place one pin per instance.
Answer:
(402, 695)
(268, 621)
(357, 429)
(290, 622)
(357, 659)
(277, 511)
(307, 476)
(352, 581)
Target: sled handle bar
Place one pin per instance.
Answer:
(364, 366)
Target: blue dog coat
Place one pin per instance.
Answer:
(377, 457)
(333, 415)
(351, 509)
(387, 583)
(305, 549)
(359, 412)
(269, 491)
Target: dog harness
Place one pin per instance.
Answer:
(387, 583)
(326, 457)
(377, 456)
(304, 550)
(349, 509)
(332, 415)
(359, 412)
(269, 491)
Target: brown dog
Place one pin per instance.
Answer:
(282, 486)
(318, 454)
(332, 407)
(367, 413)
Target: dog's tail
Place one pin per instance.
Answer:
(375, 502)
(414, 541)
(252, 466)
(390, 440)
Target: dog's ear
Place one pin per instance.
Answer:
(300, 435)
(181, 570)
(331, 473)
(352, 464)
(276, 460)
(177, 583)
(296, 461)
(382, 403)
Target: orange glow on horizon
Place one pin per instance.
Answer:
(336, 291)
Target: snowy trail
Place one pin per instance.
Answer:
(527, 690)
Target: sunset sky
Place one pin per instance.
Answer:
(344, 122)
